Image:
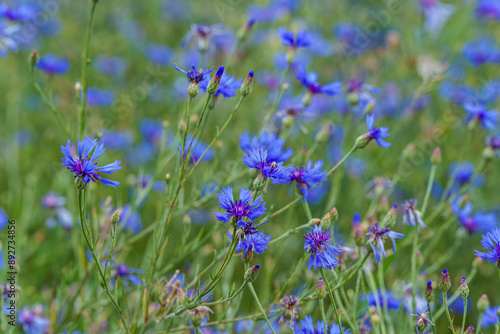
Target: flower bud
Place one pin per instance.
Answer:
(186, 220)
(314, 221)
(115, 218)
(436, 157)
(259, 182)
(429, 292)
(213, 85)
(323, 134)
(306, 100)
(251, 273)
(390, 218)
(247, 86)
(321, 289)
(353, 99)
(488, 153)
(357, 230)
(290, 55)
(78, 88)
(329, 217)
(444, 282)
(464, 289)
(483, 303)
(33, 58)
(469, 330)
(363, 140)
(193, 89)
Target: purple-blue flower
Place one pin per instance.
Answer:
(152, 130)
(4, 219)
(490, 316)
(266, 141)
(126, 274)
(9, 38)
(194, 76)
(84, 166)
(488, 9)
(209, 38)
(376, 236)
(59, 214)
(491, 242)
(303, 39)
(310, 81)
(236, 209)
(393, 302)
(479, 113)
(436, 14)
(117, 140)
(130, 219)
(257, 158)
(481, 51)
(158, 54)
(33, 321)
(306, 326)
(52, 64)
(253, 243)
(376, 133)
(227, 87)
(100, 98)
(478, 222)
(322, 253)
(197, 149)
(411, 215)
(307, 176)
(115, 66)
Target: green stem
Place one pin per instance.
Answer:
(373, 287)
(278, 96)
(187, 126)
(429, 188)
(479, 323)
(260, 306)
(323, 316)
(337, 316)
(465, 315)
(445, 304)
(385, 301)
(431, 318)
(414, 269)
(348, 154)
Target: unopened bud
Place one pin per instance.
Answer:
(357, 230)
(186, 220)
(324, 134)
(193, 89)
(363, 140)
(444, 281)
(429, 292)
(115, 218)
(464, 289)
(259, 182)
(33, 58)
(329, 218)
(314, 222)
(390, 218)
(488, 153)
(78, 88)
(213, 85)
(321, 289)
(306, 100)
(247, 86)
(251, 273)
(353, 99)
(436, 156)
(182, 126)
(290, 55)
(483, 303)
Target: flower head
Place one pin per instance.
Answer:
(479, 221)
(488, 9)
(33, 321)
(252, 243)
(411, 215)
(490, 316)
(481, 51)
(393, 303)
(245, 206)
(422, 320)
(376, 236)
(84, 166)
(194, 76)
(266, 141)
(207, 38)
(310, 81)
(126, 274)
(491, 242)
(308, 176)
(373, 133)
(478, 113)
(307, 327)
(257, 158)
(290, 310)
(322, 253)
(303, 39)
(52, 64)
(227, 87)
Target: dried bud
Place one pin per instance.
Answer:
(33, 58)
(436, 157)
(115, 218)
(444, 282)
(483, 303)
(213, 85)
(247, 86)
(198, 314)
(429, 292)
(321, 289)
(464, 289)
(251, 273)
(469, 330)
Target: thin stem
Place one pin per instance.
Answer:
(188, 117)
(322, 271)
(465, 315)
(278, 96)
(429, 188)
(414, 268)
(385, 301)
(323, 316)
(260, 306)
(445, 304)
(431, 318)
(479, 323)
(348, 154)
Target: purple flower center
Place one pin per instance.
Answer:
(78, 169)
(122, 270)
(354, 86)
(298, 176)
(203, 31)
(239, 209)
(317, 241)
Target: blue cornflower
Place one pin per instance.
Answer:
(436, 14)
(307, 327)
(266, 141)
(302, 40)
(33, 321)
(360, 93)
(59, 214)
(422, 320)
(252, 243)
(52, 64)
(490, 316)
(376, 236)
(84, 166)
(4, 219)
(245, 206)
(322, 253)
(493, 142)
(489, 9)
(158, 54)
(373, 133)
(257, 158)
(152, 130)
(208, 38)
(393, 302)
(117, 140)
(480, 221)
(462, 173)
(8, 38)
(310, 81)
(481, 51)
(307, 177)
(411, 215)
(227, 87)
(479, 113)
(130, 219)
(115, 66)
(100, 98)
(194, 76)
(491, 242)
(126, 274)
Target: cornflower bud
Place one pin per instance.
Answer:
(198, 314)
(193, 89)
(306, 100)
(390, 218)
(444, 282)
(213, 85)
(436, 157)
(314, 221)
(259, 182)
(321, 289)
(464, 289)
(247, 86)
(324, 134)
(251, 273)
(329, 217)
(429, 292)
(33, 58)
(483, 303)
(353, 99)
(115, 218)
(357, 230)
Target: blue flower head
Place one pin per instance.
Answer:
(227, 87)
(126, 274)
(374, 133)
(158, 54)
(4, 219)
(117, 140)
(307, 327)
(245, 206)
(257, 158)
(481, 51)
(491, 242)
(478, 113)
(194, 76)
(130, 219)
(152, 130)
(307, 177)
(266, 141)
(84, 166)
(310, 81)
(393, 302)
(197, 149)
(52, 64)
(411, 215)
(114, 66)
(490, 316)
(252, 243)
(488, 9)
(479, 221)
(33, 321)
(322, 253)
(100, 98)
(376, 236)
(303, 39)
